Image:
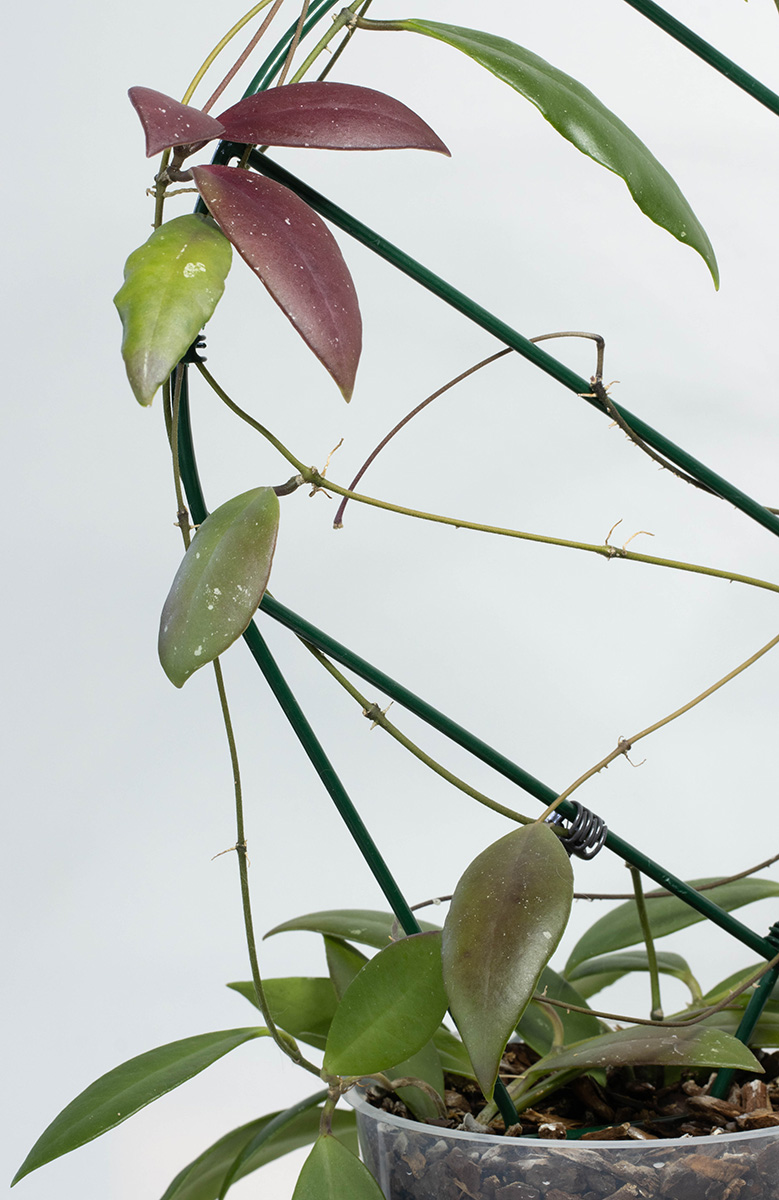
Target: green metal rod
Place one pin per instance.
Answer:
(709, 53)
(510, 770)
(510, 337)
(752, 1014)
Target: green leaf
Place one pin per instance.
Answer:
(392, 1008)
(652, 1045)
(262, 1140)
(506, 917)
(172, 284)
(621, 927)
(343, 963)
(425, 1065)
(302, 1007)
(454, 1057)
(116, 1096)
(331, 1173)
(765, 1033)
(219, 584)
(365, 926)
(597, 973)
(535, 1027)
(581, 118)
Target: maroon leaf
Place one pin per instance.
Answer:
(166, 122)
(328, 116)
(296, 257)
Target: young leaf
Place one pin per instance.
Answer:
(219, 584)
(581, 118)
(331, 1173)
(328, 116)
(535, 1027)
(172, 284)
(249, 1147)
(652, 1045)
(116, 1096)
(390, 1011)
(167, 123)
(296, 257)
(362, 925)
(596, 973)
(507, 914)
(302, 1007)
(621, 927)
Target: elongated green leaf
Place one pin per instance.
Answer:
(723, 989)
(454, 1057)
(120, 1093)
(581, 118)
(425, 1065)
(596, 973)
(204, 1178)
(219, 584)
(331, 1173)
(621, 927)
(506, 917)
(362, 925)
(651, 1045)
(392, 1008)
(535, 1027)
(303, 1007)
(343, 963)
(172, 284)
(765, 1033)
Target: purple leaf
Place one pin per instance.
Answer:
(328, 116)
(166, 122)
(296, 257)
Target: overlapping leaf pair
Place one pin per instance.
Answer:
(173, 283)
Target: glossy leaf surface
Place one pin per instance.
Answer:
(596, 973)
(535, 1027)
(507, 914)
(219, 584)
(452, 1053)
(363, 925)
(205, 1177)
(621, 927)
(172, 284)
(297, 258)
(328, 116)
(331, 1172)
(580, 117)
(765, 1033)
(121, 1092)
(390, 1010)
(167, 122)
(302, 1007)
(650, 1045)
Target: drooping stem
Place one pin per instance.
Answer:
(659, 893)
(219, 47)
(283, 1041)
(274, 441)
(243, 57)
(625, 744)
(651, 954)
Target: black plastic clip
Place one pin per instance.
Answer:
(193, 354)
(587, 831)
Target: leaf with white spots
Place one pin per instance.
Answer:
(172, 284)
(167, 122)
(296, 257)
(219, 584)
(507, 914)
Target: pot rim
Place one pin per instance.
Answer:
(356, 1098)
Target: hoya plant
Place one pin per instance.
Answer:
(404, 1004)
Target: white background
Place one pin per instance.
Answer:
(121, 930)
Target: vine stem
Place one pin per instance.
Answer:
(344, 18)
(284, 1042)
(219, 47)
(654, 975)
(243, 57)
(659, 893)
(625, 744)
(293, 44)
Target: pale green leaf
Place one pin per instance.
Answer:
(596, 973)
(390, 1010)
(172, 284)
(535, 1027)
(652, 1045)
(505, 919)
(301, 1006)
(580, 117)
(219, 584)
(343, 963)
(366, 926)
(331, 1172)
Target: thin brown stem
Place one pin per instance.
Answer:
(293, 45)
(658, 893)
(242, 57)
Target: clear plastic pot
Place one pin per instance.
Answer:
(421, 1162)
